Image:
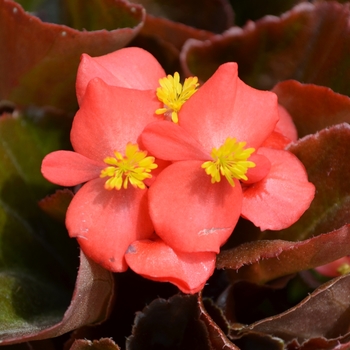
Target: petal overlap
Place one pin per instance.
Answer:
(162, 195)
(107, 222)
(188, 271)
(109, 118)
(114, 69)
(225, 106)
(190, 213)
(286, 186)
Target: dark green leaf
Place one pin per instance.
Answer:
(37, 259)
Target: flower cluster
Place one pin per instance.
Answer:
(168, 168)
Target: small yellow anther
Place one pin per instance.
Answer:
(230, 160)
(134, 168)
(344, 269)
(173, 94)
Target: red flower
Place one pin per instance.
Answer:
(220, 169)
(110, 211)
(117, 97)
(137, 69)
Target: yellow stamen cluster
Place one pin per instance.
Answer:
(173, 94)
(134, 168)
(230, 160)
(344, 269)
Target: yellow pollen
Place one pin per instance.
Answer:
(230, 160)
(134, 167)
(173, 94)
(344, 269)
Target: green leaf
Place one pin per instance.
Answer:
(91, 303)
(38, 260)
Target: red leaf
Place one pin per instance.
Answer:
(267, 260)
(310, 43)
(312, 107)
(40, 60)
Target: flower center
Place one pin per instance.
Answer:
(230, 160)
(344, 269)
(173, 94)
(134, 167)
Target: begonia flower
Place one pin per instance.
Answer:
(220, 169)
(119, 94)
(110, 211)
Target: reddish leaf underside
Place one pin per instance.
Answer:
(263, 261)
(102, 344)
(217, 336)
(45, 74)
(310, 43)
(322, 314)
(312, 107)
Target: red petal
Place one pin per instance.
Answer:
(130, 67)
(66, 168)
(285, 131)
(261, 169)
(331, 269)
(277, 141)
(107, 222)
(109, 118)
(226, 107)
(282, 197)
(285, 125)
(162, 164)
(189, 212)
(168, 141)
(157, 261)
